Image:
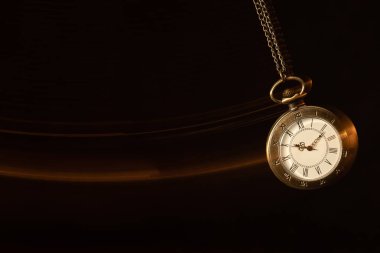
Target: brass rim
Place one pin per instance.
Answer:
(348, 135)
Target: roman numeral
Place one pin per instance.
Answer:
(328, 162)
(287, 176)
(333, 150)
(285, 158)
(305, 172)
(332, 137)
(294, 167)
(318, 170)
(300, 124)
(323, 128)
(289, 133)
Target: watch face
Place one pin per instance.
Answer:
(310, 147)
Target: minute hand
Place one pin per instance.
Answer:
(315, 142)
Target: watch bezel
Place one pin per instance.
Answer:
(342, 124)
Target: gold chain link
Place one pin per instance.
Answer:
(270, 34)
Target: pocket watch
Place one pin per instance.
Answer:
(308, 147)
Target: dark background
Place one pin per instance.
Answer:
(137, 61)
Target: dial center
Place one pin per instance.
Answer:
(308, 147)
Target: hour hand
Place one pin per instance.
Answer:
(300, 146)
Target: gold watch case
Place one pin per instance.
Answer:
(344, 127)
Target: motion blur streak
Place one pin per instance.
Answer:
(205, 143)
(140, 172)
(232, 117)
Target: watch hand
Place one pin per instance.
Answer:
(300, 146)
(315, 142)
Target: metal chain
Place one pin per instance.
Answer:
(269, 31)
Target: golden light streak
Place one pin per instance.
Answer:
(139, 171)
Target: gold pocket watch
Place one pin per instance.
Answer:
(308, 147)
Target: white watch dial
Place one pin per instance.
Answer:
(310, 148)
